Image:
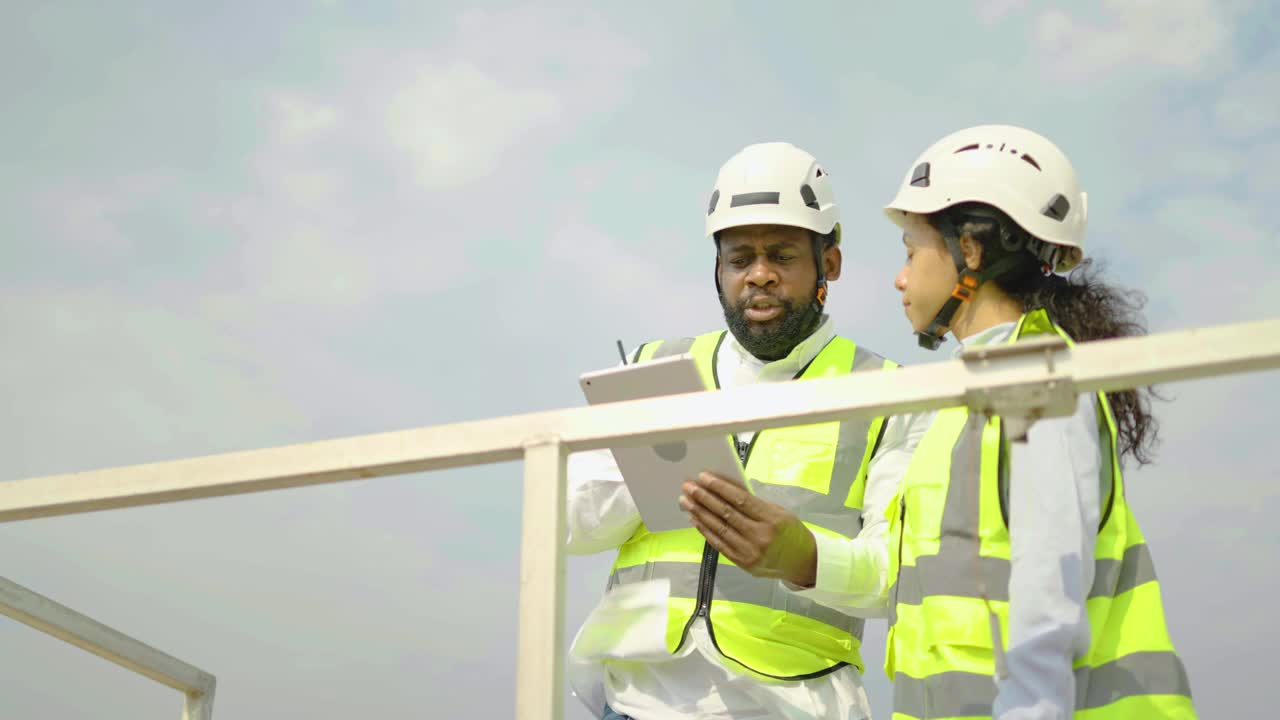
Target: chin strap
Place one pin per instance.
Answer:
(820, 293)
(966, 285)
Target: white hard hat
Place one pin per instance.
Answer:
(773, 183)
(1010, 168)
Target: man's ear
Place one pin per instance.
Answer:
(831, 261)
(972, 251)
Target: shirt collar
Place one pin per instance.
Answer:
(990, 336)
(795, 361)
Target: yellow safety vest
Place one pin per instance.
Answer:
(949, 558)
(817, 471)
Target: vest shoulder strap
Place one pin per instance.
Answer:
(841, 350)
(1038, 322)
(846, 353)
(657, 349)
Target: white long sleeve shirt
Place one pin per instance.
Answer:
(697, 682)
(1054, 502)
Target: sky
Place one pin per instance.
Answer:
(237, 225)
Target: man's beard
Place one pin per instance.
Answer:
(775, 339)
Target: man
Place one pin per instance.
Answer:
(763, 588)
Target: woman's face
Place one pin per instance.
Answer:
(929, 274)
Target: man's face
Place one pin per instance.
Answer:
(768, 279)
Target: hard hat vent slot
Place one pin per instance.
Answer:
(967, 148)
(920, 176)
(810, 200)
(1057, 208)
(715, 198)
(755, 198)
(1031, 161)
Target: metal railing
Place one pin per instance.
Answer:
(1020, 382)
(33, 609)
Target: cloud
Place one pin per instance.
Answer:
(299, 232)
(584, 57)
(1249, 105)
(299, 120)
(628, 289)
(89, 216)
(505, 74)
(93, 360)
(456, 122)
(1207, 164)
(991, 11)
(1201, 256)
(309, 264)
(1262, 180)
(505, 87)
(1180, 35)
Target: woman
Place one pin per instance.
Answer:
(1030, 540)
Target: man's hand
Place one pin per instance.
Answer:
(763, 538)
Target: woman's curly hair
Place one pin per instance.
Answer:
(1081, 303)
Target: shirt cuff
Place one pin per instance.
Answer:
(848, 579)
(834, 568)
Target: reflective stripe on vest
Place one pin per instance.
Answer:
(961, 694)
(1110, 577)
(818, 471)
(946, 590)
(732, 583)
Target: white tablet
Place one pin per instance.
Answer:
(653, 473)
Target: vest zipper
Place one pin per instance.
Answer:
(707, 580)
(710, 556)
(902, 534)
(706, 585)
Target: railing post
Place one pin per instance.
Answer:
(199, 705)
(39, 612)
(539, 655)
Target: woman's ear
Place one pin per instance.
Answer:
(972, 252)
